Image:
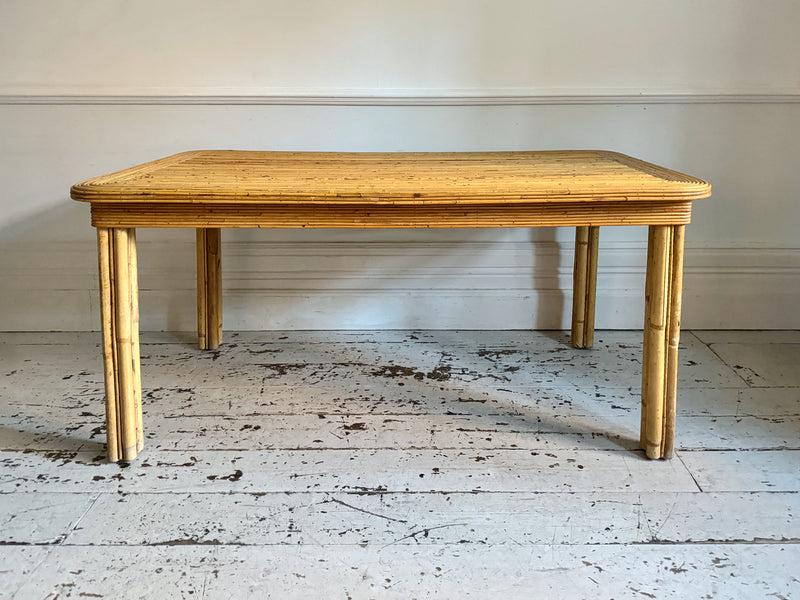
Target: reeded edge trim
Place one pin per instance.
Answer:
(552, 214)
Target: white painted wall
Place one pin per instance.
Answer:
(710, 88)
(263, 46)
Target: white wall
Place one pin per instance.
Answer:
(710, 88)
(375, 46)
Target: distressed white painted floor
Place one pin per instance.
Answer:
(401, 465)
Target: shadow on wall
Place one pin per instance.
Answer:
(395, 279)
(48, 266)
(48, 269)
(292, 279)
(548, 274)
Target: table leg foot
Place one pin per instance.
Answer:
(663, 291)
(209, 288)
(119, 307)
(584, 285)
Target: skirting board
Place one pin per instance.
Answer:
(398, 285)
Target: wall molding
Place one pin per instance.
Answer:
(375, 98)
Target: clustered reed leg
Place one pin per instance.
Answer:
(209, 288)
(584, 285)
(119, 305)
(661, 337)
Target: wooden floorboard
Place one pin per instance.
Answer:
(425, 571)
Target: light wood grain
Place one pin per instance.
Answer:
(392, 178)
(209, 288)
(123, 333)
(202, 291)
(136, 370)
(429, 216)
(108, 322)
(374, 190)
(584, 286)
(673, 340)
(213, 252)
(661, 337)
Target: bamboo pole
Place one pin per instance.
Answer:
(654, 353)
(673, 341)
(202, 290)
(648, 286)
(133, 274)
(124, 343)
(209, 288)
(579, 277)
(214, 286)
(584, 285)
(108, 318)
(591, 286)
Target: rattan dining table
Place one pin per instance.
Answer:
(214, 189)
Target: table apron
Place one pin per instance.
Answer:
(551, 214)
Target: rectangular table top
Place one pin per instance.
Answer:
(369, 178)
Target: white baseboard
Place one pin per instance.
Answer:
(398, 285)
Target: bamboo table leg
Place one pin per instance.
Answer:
(209, 288)
(661, 336)
(584, 285)
(119, 305)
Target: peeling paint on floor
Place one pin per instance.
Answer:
(400, 465)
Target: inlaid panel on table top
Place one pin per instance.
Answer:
(232, 176)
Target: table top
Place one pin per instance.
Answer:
(427, 178)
